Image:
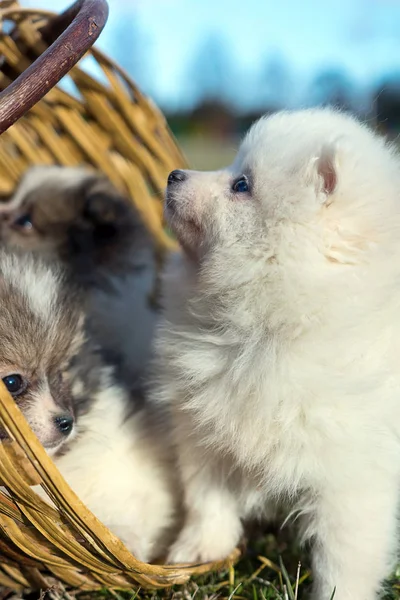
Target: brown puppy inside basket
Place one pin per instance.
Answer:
(116, 454)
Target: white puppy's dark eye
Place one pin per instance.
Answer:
(24, 222)
(241, 185)
(15, 384)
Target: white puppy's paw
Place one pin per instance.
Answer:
(199, 543)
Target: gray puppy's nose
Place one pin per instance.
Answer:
(176, 176)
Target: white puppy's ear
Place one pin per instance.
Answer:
(323, 172)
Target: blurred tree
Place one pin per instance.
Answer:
(210, 76)
(213, 118)
(275, 83)
(386, 104)
(332, 87)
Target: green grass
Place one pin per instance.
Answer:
(269, 570)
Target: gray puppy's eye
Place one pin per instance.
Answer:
(15, 384)
(241, 185)
(24, 222)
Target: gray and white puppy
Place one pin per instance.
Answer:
(76, 216)
(111, 450)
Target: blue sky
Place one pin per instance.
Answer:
(359, 37)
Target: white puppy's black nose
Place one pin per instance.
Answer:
(176, 176)
(64, 424)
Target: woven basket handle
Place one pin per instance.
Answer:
(71, 34)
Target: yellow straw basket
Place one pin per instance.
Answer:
(109, 125)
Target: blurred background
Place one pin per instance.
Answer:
(214, 66)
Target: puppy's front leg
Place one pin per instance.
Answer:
(354, 530)
(212, 527)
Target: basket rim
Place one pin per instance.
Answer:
(82, 23)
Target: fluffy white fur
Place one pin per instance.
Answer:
(280, 346)
(121, 467)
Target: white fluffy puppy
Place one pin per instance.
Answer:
(280, 346)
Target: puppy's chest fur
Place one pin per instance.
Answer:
(285, 413)
(227, 392)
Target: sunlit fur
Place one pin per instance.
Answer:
(279, 350)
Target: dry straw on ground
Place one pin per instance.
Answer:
(107, 124)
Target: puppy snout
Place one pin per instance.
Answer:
(64, 424)
(176, 176)
(170, 202)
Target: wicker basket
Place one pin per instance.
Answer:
(114, 128)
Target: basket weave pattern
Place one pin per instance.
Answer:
(110, 126)
(113, 128)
